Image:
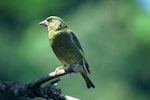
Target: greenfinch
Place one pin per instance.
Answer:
(66, 46)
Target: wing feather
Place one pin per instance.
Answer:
(77, 44)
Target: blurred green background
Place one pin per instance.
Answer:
(115, 35)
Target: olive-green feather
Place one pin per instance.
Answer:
(66, 46)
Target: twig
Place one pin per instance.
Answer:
(52, 75)
(34, 89)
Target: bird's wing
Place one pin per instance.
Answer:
(76, 42)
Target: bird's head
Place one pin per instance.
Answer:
(54, 23)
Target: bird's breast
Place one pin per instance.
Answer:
(64, 49)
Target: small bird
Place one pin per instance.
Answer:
(66, 46)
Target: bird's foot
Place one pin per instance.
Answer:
(59, 70)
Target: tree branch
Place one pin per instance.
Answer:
(34, 88)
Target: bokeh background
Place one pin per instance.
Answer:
(115, 35)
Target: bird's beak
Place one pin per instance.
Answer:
(44, 23)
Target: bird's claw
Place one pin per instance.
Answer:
(58, 70)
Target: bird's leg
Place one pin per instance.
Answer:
(58, 70)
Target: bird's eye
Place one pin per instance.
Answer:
(49, 20)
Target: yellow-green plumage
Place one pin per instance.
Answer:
(66, 46)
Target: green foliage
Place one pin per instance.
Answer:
(113, 34)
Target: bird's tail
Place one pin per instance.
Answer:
(86, 78)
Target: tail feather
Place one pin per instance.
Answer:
(86, 78)
(86, 66)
